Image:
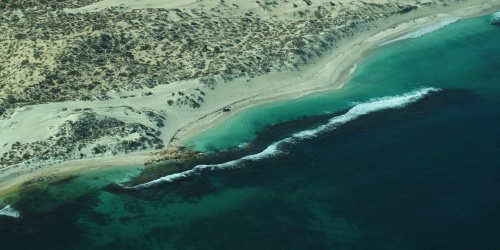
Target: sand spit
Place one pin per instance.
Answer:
(127, 93)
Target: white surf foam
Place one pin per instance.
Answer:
(353, 69)
(10, 212)
(495, 17)
(371, 106)
(423, 31)
(270, 151)
(358, 110)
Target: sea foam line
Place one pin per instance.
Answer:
(10, 212)
(423, 31)
(276, 148)
(270, 151)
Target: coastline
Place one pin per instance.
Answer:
(324, 74)
(328, 73)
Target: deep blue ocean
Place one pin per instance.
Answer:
(405, 156)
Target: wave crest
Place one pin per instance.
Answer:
(10, 212)
(423, 31)
(270, 151)
(276, 148)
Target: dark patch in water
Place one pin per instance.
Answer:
(262, 141)
(275, 133)
(64, 180)
(46, 229)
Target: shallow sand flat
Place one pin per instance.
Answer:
(329, 73)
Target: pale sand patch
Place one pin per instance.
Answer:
(133, 4)
(328, 73)
(281, 9)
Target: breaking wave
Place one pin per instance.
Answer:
(10, 212)
(270, 151)
(495, 18)
(277, 148)
(423, 31)
(496, 15)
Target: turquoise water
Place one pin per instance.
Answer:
(423, 175)
(379, 76)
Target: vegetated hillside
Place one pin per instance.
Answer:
(48, 55)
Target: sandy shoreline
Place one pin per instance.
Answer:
(330, 72)
(333, 71)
